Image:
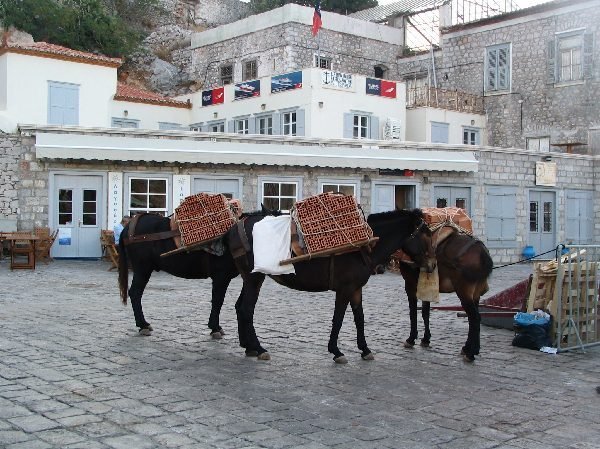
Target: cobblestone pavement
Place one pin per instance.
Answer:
(74, 373)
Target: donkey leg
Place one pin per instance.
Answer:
(138, 284)
(359, 322)
(245, 313)
(425, 313)
(471, 347)
(412, 310)
(341, 303)
(219, 289)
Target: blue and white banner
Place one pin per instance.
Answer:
(247, 89)
(287, 81)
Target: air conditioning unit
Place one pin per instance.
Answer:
(392, 129)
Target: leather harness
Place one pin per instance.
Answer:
(132, 238)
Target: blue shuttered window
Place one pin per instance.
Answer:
(63, 103)
(580, 217)
(497, 68)
(501, 223)
(439, 132)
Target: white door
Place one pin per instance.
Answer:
(228, 187)
(542, 234)
(384, 198)
(77, 213)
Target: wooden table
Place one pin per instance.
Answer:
(22, 244)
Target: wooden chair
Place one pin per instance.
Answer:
(44, 244)
(22, 252)
(109, 249)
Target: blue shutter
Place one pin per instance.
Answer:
(501, 223)
(63, 104)
(231, 126)
(276, 124)
(374, 127)
(439, 132)
(579, 217)
(251, 125)
(300, 122)
(348, 125)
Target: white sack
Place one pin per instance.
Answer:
(272, 244)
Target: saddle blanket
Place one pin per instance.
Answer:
(271, 244)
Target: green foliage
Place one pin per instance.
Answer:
(110, 27)
(337, 6)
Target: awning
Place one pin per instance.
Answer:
(117, 148)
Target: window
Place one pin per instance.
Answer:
(497, 68)
(541, 144)
(501, 212)
(471, 136)
(249, 71)
(218, 127)
(63, 103)
(197, 127)
(570, 58)
(147, 195)
(241, 126)
(279, 195)
(439, 132)
(125, 123)
(533, 216)
(380, 71)
(168, 125)
(360, 127)
(65, 206)
(227, 74)
(346, 189)
(265, 125)
(322, 62)
(289, 123)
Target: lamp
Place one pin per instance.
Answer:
(321, 104)
(263, 106)
(215, 114)
(125, 113)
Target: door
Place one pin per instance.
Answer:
(579, 217)
(228, 187)
(388, 197)
(77, 213)
(446, 196)
(542, 220)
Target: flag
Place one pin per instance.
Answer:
(317, 18)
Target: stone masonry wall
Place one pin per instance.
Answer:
(565, 113)
(289, 47)
(9, 175)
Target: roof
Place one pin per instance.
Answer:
(140, 149)
(126, 92)
(46, 50)
(382, 12)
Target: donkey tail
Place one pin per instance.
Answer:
(123, 270)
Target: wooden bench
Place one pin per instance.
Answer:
(109, 248)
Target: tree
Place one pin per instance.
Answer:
(87, 25)
(337, 6)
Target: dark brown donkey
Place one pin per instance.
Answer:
(345, 274)
(464, 265)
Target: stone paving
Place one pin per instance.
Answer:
(74, 373)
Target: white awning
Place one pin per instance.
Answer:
(117, 148)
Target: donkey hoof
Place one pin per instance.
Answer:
(145, 332)
(409, 345)
(216, 335)
(264, 356)
(425, 344)
(369, 356)
(467, 357)
(150, 328)
(341, 360)
(251, 353)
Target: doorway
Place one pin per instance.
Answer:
(542, 220)
(388, 197)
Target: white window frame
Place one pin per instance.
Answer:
(216, 127)
(250, 70)
(291, 127)
(280, 181)
(160, 210)
(264, 125)
(361, 124)
(241, 125)
(497, 88)
(541, 144)
(196, 127)
(574, 54)
(472, 132)
(322, 62)
(340, 182)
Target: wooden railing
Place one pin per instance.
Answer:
(419, 97)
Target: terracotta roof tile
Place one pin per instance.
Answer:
(127, 92)
(59, 52)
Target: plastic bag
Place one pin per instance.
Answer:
(532, 330)
(538, 318)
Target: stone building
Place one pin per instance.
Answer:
(537, 69)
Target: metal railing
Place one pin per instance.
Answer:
(418, 97)
(576, 293)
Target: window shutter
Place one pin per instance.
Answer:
(251, 125)
(277, 124)
(373, 127)
(491, 82)
(231, 126)
(551, 64)
(300, 122)
(204, 128)
(503, 71)
(588, 55)
(348, 123)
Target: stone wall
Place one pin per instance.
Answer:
(288, 47)
(564, 113)
(10, 150)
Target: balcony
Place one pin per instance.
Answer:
(452, 100)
